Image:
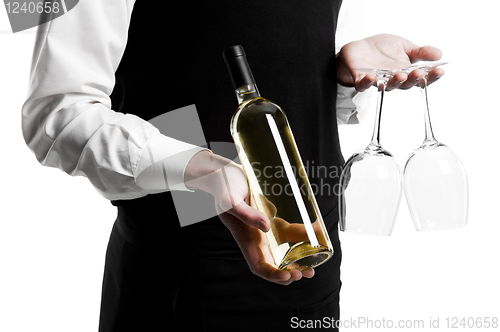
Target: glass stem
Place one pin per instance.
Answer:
(429, 135)
(381, 85)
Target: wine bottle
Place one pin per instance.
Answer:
(278, 183)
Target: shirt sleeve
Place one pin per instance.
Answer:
(352, 106)
(67, 119)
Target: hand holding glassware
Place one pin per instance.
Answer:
(371, 180)
(435, 181)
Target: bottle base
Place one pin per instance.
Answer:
(302, 256)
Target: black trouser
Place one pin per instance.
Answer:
(180, 284)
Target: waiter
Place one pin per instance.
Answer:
(106, 67)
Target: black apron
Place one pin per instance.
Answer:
(160, 276)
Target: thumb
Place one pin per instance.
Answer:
(251, 216)
(426, 53)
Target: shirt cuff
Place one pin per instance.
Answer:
(161, 160)
(352, 105)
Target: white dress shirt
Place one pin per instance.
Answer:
(67, 119)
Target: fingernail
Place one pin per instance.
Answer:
(263, 226)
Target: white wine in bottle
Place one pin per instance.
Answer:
(278, 183)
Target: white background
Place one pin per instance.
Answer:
(54, 228)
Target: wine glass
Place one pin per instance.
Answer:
(435, 180)
(370, 183)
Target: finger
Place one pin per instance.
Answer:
(251, 216)
(267, 206)
(272, 274)
(396, 81)
(258, 261)
(309, 273)
(413, 78)
(287, 232)
(295, 275)
(254, 249)
(434, 75)
(426, 53)
(364, 82)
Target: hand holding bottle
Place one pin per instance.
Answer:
(227, 183)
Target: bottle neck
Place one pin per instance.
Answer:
(247, 92)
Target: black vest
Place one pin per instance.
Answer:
(173, 59)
